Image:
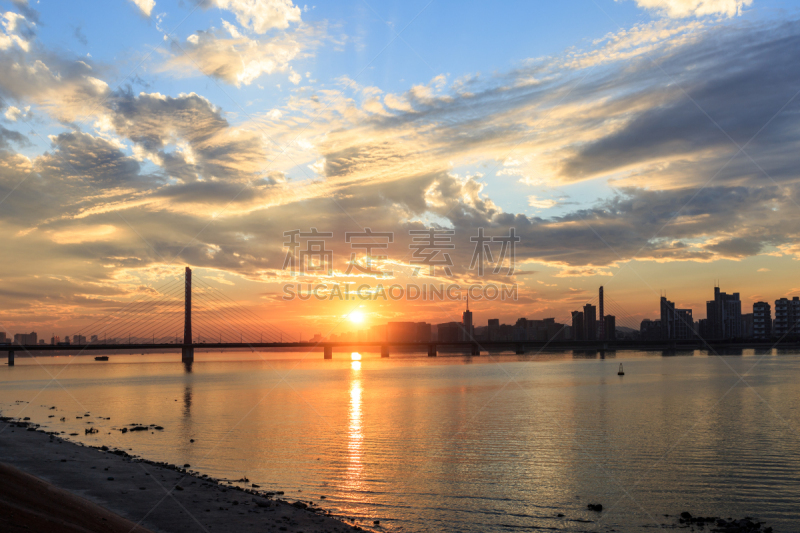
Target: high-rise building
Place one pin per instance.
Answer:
(494, 329)
(26, 339)
(787, 317)
(78, 339)
(610, 327)
(724, 315)
(577, 326)
(589, 322)
(762, 320)
(407, 332)
(601, 319)
(95, 339)
(466, 324)
(449, 332)
(747, 325)
(676, 324)
(650, 330)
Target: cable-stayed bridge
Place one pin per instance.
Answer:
(186, 315)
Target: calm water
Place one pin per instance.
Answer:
(455, 443)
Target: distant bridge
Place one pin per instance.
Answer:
(472, 348)
(228, 320)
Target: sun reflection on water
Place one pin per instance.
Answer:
(355, 434)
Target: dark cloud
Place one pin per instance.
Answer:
(27, 11)
(93, 160)
(80, 36)
(737, 247)
(8, 136)
(718, 92)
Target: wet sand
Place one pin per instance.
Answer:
(49, 484)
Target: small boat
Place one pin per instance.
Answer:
(101, 358)
(621, 372)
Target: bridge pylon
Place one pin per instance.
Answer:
(187, 350)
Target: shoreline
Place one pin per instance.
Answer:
(158, 497)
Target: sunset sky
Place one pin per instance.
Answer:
(648, 146)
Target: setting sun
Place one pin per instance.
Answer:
(357, 317)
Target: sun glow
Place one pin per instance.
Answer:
(357, 317)
(355, 356)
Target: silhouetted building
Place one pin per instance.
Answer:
(724, 315)
(26, 338)
(3, 338)
(747, 326)
(676, 324)
(493, 329)
(762, 320)
(610, 327)
(545, 329)
(466, 324)
(95, 339)
(601, 319)
(787, 316)
(702, 329)
(577, 326)
(589, 322)
(449, 332)
(650, 330)
(377, 333)
(408, 332)
(78, 339)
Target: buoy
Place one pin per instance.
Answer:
(621, 372)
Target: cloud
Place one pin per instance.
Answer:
(261, 15)
(27, 11)
(7, 136)
(79, 234)
(541, 203)
(80, 36)
(145, 6)
(17, 31)
(240, 60)
(696, 8)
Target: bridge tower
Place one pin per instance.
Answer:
(187, 350)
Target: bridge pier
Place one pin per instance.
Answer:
(187, 354)
(431, 350)
(11, 358)
(328, 352)
(476, 350)
(384, 350)
(520, 349)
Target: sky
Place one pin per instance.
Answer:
(648, 146)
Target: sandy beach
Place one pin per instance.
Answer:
(50, 484)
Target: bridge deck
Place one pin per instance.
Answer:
(483, 345)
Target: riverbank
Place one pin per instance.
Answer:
(51, 484)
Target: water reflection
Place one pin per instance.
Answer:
(187, 401)
(355, 435)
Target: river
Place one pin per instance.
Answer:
(453, 443)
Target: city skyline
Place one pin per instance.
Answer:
(725, 319)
